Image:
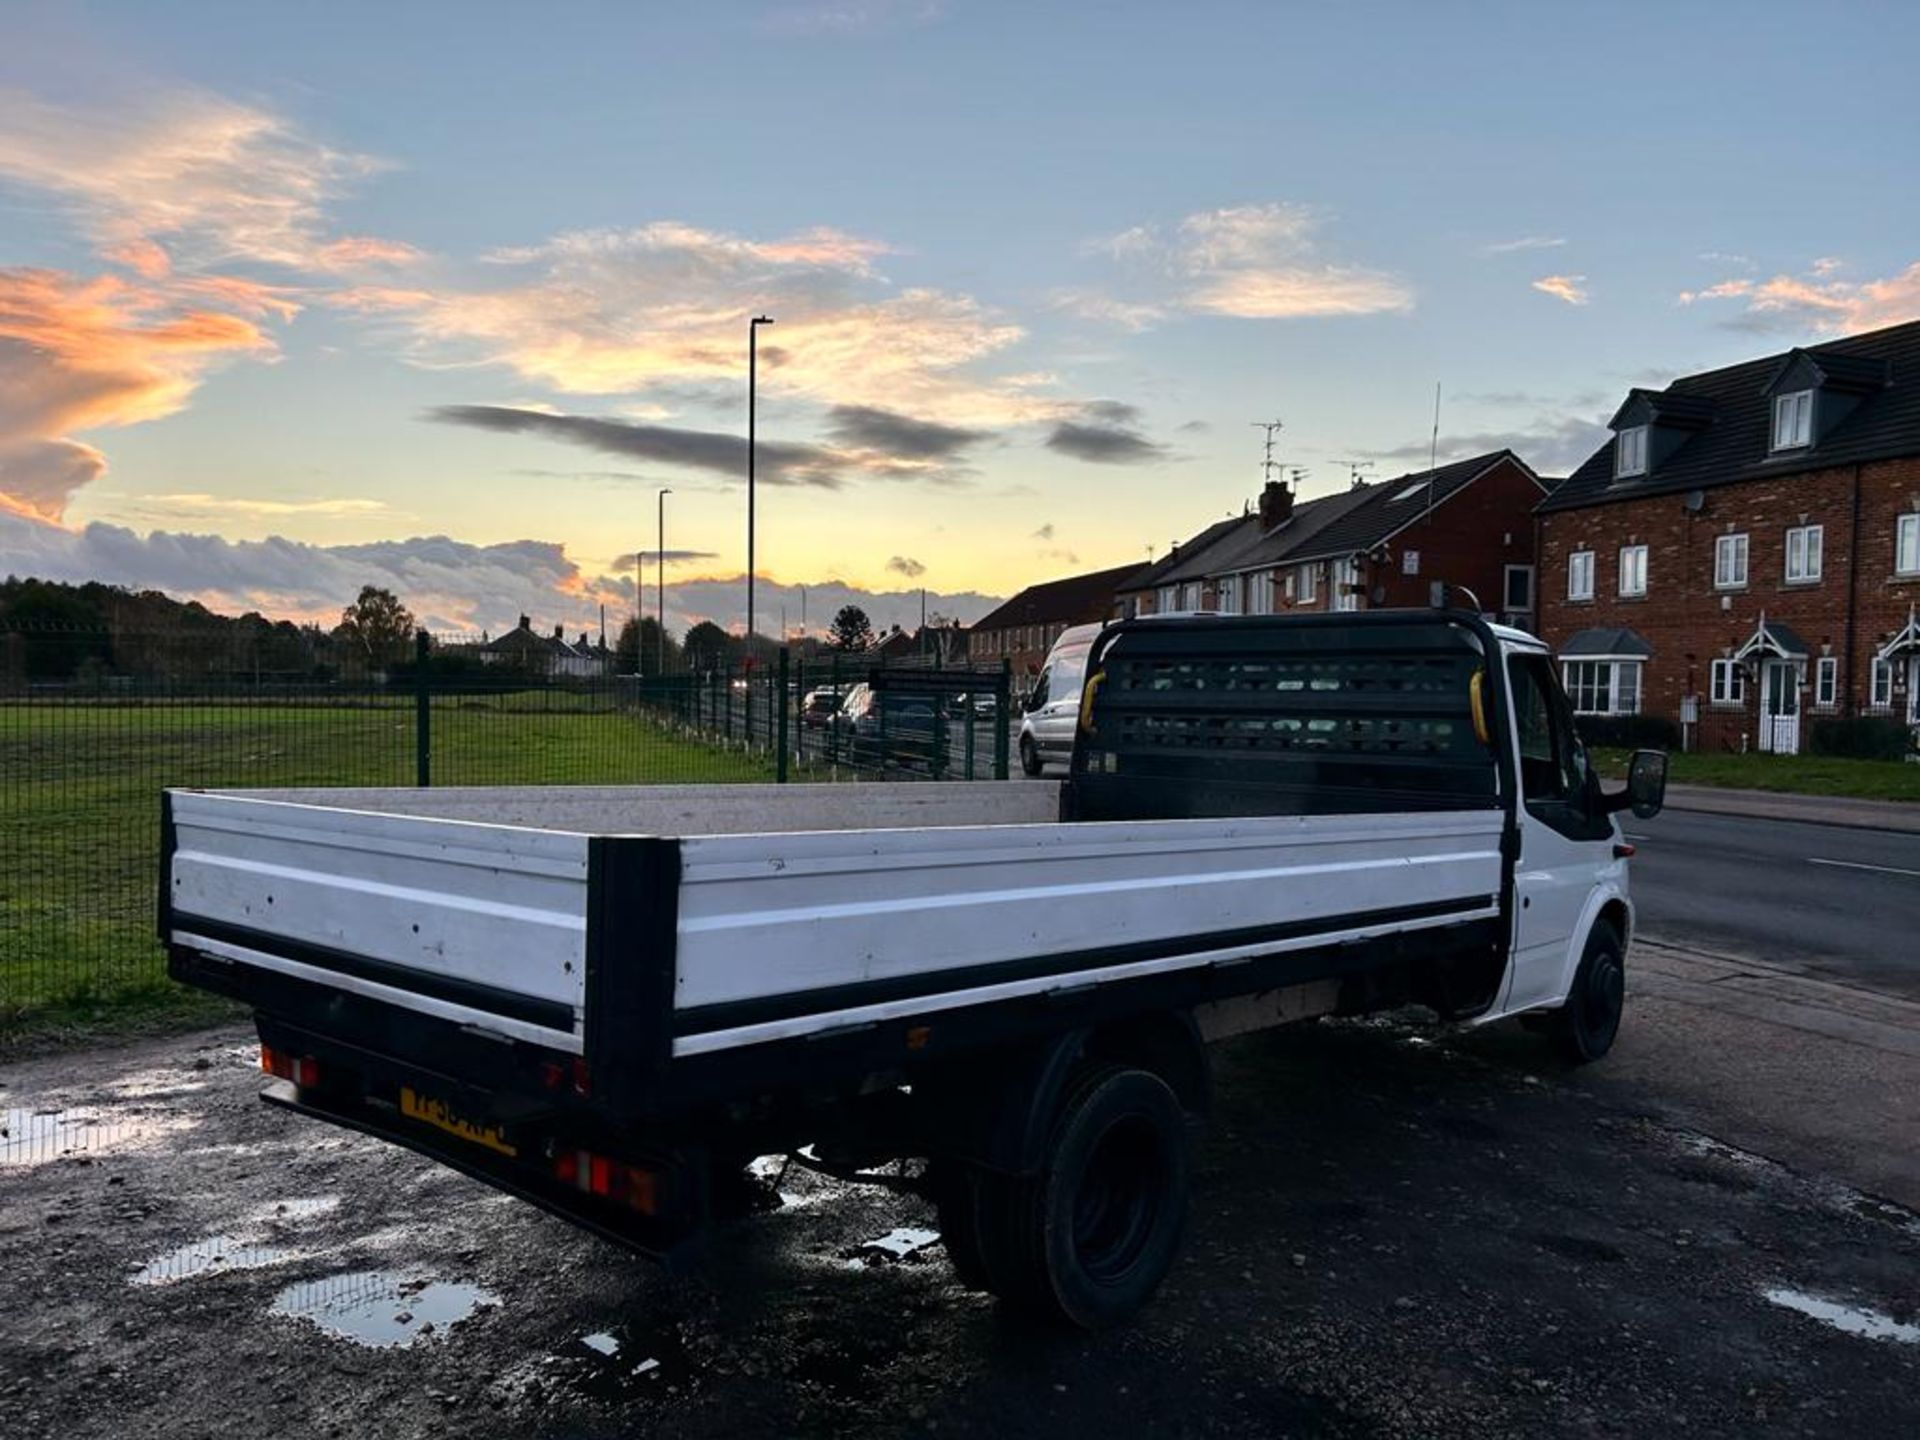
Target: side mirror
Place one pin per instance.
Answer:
(1646, 790)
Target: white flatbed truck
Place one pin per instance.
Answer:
(606, 1000)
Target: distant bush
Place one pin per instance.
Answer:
(1629, 732)
(1860, 737)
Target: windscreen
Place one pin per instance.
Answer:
(1275, 716)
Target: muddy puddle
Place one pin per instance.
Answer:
(626, 1361)
(1847, 1318)
(30, 1136)
(381, 1308)
(253, 1244)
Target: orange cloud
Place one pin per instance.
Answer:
(146, 259)
(77, 355)
(1570, 288)
(1817, 299)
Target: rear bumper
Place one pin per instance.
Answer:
(360, 1090)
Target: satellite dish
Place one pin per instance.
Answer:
(1695, 502)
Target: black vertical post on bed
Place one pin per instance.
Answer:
(633, 910)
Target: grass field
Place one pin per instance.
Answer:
(1793, 774)
(79, 812)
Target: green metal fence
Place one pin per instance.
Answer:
(93, 725)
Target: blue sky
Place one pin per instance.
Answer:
(349, 275)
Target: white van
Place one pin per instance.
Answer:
(1053, 708)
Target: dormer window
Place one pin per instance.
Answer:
(1630, 452)
(1793, 420)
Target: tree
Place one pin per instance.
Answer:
(707, 646)
(376, 625)
(638, 650)
(851, 629)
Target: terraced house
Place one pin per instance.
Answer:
(1468, 523)
(1742, 557)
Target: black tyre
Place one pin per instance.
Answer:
(1584, 1027)
(1089, 1239)
(1030, 761)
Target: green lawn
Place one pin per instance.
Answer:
(79, 812)
(1793, 774)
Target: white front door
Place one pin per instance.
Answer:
(1780, 707)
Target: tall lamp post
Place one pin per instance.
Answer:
(660, 572)
(753, 371)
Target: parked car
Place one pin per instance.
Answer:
(819, 707)
(1053, 705)
(889, 726)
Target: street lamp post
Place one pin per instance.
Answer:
(660, 572)
(753, 371)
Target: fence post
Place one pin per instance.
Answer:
(422, 713)
(799, 707)
(834, 722)
(780, 739)
(1003, 717)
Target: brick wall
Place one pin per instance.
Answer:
(1470, 540)
(1848, 613)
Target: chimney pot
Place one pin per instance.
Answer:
(525, 623)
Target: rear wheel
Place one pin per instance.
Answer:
(1030, 761)
(1584, 1027)
(1089, 1239)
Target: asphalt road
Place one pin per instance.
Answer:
(1840, 903)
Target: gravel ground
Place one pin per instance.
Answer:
(1395, 1234)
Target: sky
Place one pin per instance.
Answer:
(439, 296)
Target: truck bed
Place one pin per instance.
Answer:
(701, 921)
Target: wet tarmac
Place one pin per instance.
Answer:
(1396, 1233)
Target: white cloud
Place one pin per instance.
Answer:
(452, 586)
(1258, 262)
(1525, 242)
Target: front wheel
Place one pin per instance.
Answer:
(1029, 756)
(1584, 1027)
(1089, 1239)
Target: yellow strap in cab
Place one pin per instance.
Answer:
(1479, 695)
(1086, 700)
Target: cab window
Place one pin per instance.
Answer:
(1038, 695)
(1555, 780)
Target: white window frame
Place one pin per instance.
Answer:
(1166, 599)
(1633, 566)
(1226, 594)
(1630, 452)
(1346, 573)
(1506, 588)
(1309, 582)
(1588, 678)
(1793, 420)
(1727, 684)
(1580, 575)
(1734, 545)
(1806, 545)
(1880, 696)
(1260, 593)
(1906, 544)
(1826, 682)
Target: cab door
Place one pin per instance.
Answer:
(1566, 834)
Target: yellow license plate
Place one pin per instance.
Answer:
(435, 1112)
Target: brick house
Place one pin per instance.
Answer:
(1022, 629)
(1370, 546)
(1744, 554)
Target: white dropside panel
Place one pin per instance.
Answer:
(773, 915)
(478, 905)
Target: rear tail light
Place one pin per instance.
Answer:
(554, 1074)
(629, 1185)
(302, 1070)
